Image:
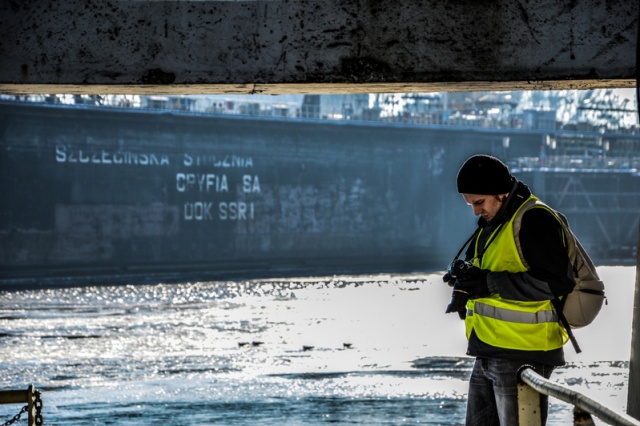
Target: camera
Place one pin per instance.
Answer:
(456, 270)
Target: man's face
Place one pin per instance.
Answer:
(486, 206)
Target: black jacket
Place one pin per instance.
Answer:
(550, 274)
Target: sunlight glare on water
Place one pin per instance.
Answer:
(362, 349)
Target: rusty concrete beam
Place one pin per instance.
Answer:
(311, 46)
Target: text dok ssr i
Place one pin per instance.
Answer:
(216, 183)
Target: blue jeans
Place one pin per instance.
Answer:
(493, 392)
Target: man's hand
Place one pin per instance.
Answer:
(458, 303)
(472, 273)
(474, 282)
(468, 283)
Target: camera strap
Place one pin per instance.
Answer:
(475, 233)
(482, 249)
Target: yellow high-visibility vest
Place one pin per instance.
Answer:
(511, 324)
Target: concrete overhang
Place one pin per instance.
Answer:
(313, 46)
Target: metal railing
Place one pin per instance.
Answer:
(630, 164)
(531, 384)
(33, 408)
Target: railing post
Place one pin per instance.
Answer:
(529, 413)
(31, 399)
(633, 395)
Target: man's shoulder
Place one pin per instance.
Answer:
(538, 219)
(539, 212)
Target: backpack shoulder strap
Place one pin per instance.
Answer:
(517, 225)
(580, 260)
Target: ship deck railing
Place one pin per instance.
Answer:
(531, 385)
(572, 163)
(290, 110)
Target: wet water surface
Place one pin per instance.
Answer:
(348, 350)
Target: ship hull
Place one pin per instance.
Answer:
(107, 194)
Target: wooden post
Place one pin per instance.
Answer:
(633, 396)
(31, 399)
(529, 413)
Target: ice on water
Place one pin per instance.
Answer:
(348, 349)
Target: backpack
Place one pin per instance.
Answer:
(583, 304)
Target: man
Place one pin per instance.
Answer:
(508, 308)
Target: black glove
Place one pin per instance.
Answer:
(472, 273)
(474, 282)
(458, 303)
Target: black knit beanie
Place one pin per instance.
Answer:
(485, 175)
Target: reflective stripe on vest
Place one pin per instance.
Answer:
(515, 316)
